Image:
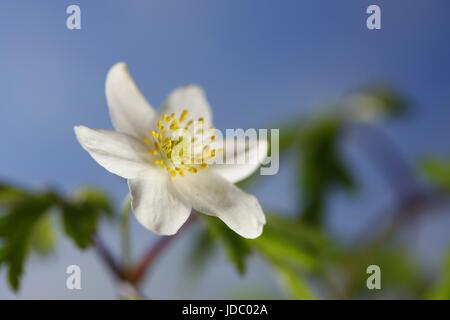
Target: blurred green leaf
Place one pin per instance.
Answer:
(441, 290)
(437, 171)
(321, 168)
(375, 103)
(81, 214)
(236, 247)
(307, 237)
(280, 250)
(17, 226)
(283, 242)
(399, 273)
(294, 250)
(290, 247)
(95, 198)
(201, 251)
(43, 239)
(25, 225)
(294, 283)
(9, 194)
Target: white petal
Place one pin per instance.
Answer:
(245, 158)
(116, 152)
(156, 205)
(213, 195)
(130, 112)
(191, 97)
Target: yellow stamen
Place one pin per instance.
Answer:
(166, 118)
(175, 150)
(180, 171)
(174, 125)
(192, 170)
(155, 135)
(183, 115)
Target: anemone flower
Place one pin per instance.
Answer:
(168, 159)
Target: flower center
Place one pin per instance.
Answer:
(179, 145)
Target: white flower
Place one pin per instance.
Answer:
(155, 154)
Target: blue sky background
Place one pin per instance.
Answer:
(259, 61)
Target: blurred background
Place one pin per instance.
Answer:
(363, 115)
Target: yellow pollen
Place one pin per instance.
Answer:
(192, 170)
(176, 148)
(155, 135)
(184, 115)
(174, 125)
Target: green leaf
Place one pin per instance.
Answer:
(375, 103)
(96, 199)
(25, 225)
(280, 250)
(400, 274)
(17, 226)
(202, 251)
(81, 215)
(236, 247)
(43, 236)
(294, 283)
(10, 194)
(294, 250)
(441, 290)
(308, 237)
(437, 171)
(281, 244)
(321, 168)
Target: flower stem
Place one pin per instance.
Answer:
(108, 259)
(125, 233)
(142, 267)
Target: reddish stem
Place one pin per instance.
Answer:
(108, 259)
(142, 267)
